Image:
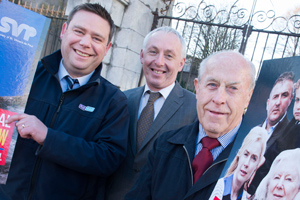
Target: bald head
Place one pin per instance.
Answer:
(229, 57)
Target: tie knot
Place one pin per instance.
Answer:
(71, 81)
(153, 96)
(209, 143)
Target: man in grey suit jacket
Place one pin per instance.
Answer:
(162, 57)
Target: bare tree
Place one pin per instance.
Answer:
(208, 30)
(293, 25)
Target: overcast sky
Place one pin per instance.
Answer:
(281, 7)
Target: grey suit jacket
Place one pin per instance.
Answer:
(178, 110)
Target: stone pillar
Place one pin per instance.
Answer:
(125, 67)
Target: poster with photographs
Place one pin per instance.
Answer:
(22, 35)
(265, 160)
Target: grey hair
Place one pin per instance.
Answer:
(290, 155)
(167, 29)
(203, 66)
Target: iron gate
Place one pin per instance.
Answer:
(258, 35)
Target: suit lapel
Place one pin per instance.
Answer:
(170, 107)
(277, 131)
(133, 106)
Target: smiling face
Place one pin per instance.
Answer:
(279, 101)
(84, 43)
(296, 110)
(248, 161)
(161, 60)
(284, 182)
(223, 93)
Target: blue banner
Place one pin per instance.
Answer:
(20, 33)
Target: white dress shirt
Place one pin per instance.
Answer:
(271, 129)
(159, 102)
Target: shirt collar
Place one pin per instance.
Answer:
(62, 72)
(224, 140)
(272, 127)
(164, 92)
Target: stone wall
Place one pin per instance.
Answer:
(56, 3)
(133, 19)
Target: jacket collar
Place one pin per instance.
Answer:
(52, 61)
(211, 175)
(182, 139)
(188, 139)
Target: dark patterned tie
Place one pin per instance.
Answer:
(71, 82)
(204, 158)
(146, 119)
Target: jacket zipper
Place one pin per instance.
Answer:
(214, 165)
(61, 100)
(190, 165)
(38, 162)
(191, 170)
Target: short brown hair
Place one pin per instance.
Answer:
(98, 10)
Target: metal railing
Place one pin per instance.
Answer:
(258, 35)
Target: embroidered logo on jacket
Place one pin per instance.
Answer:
(86, 108)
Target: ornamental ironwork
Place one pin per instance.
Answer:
(237, 16)
(258, 34)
